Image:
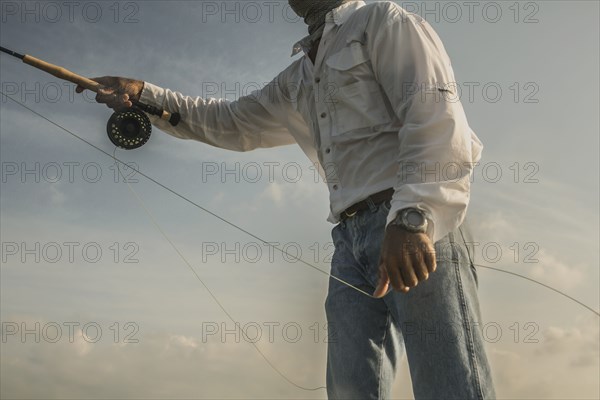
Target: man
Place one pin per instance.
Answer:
(373, 101)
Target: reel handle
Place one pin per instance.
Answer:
(172, 118)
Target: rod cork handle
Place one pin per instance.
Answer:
(62, 73)
(65, 74)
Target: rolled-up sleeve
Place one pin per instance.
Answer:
(251, 122)
(438, 149)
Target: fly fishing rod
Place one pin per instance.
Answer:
(127, 129)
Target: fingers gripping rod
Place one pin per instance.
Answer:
(65, 74)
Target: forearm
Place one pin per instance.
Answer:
(437, 148)
(214, 122)
(252, 121)
(241, 125)
(436, 159)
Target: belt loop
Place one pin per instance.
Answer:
(371, 204)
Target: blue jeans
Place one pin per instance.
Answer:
(436, 323)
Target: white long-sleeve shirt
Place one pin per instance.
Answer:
(378, 109)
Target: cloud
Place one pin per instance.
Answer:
(563, 364)
(161, 365)
(57, 197)
(550, 270)
(294, 194)
(517, 250)
(274, 193)
(579, 344)
(495, 226)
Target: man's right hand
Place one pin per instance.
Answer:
(117, 93)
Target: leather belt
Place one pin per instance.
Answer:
(377, 198)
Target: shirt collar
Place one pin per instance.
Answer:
(337, 16)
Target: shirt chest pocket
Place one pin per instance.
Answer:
(354, 96)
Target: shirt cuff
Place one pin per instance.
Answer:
(153, 95)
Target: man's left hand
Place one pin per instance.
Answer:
(406, 259)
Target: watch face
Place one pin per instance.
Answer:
(412, 219)
(415, 219)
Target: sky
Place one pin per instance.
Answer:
(95, 303)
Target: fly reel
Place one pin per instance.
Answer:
(129, 129)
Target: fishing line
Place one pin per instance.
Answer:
(155, 223)
(213, 296)
(258, 238)
(210, 292)
(130, 129)
(266, 243)
(541, 284)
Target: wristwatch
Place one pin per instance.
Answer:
(412, 219)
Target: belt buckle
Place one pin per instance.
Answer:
(350, 215)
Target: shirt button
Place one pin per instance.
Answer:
(317, 80)
(323, 115)
(328, 150)
(335, 187)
